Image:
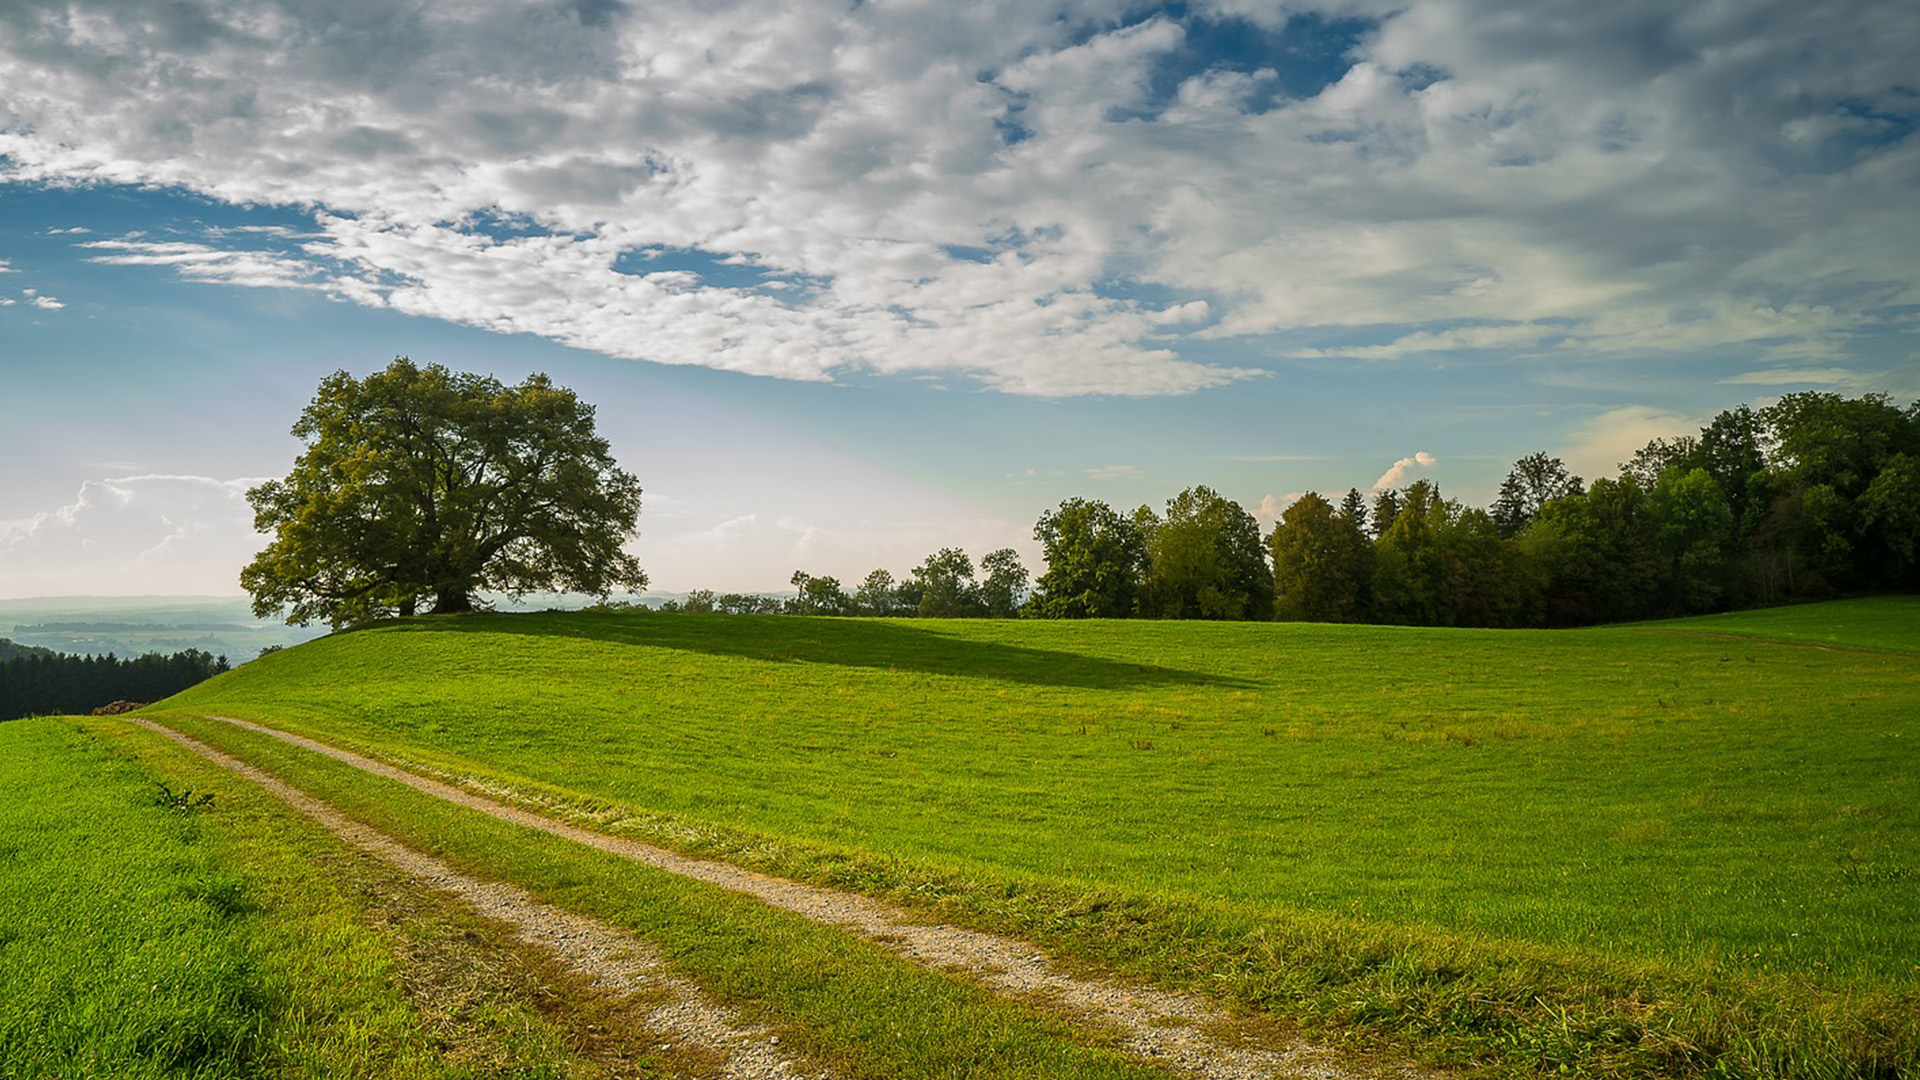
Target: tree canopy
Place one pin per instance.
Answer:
(1096, 559)
(422, 485)
(1205, 560)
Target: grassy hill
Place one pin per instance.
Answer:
(1444, 834)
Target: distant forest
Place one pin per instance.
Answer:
(1814, 496)
(38, 682)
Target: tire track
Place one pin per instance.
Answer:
(1161, 1026)
(612, 959)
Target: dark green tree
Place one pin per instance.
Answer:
(1096, 561)
(877, 595)
(1353, 507)
(1594, 554)
(1693, 530)
(1205, 560)
(1322, 563)
(1732, 448)
(424, 485)
(946, 586)
(818, 596)
(1489, 581)
(1830, 453)
(1409, 569)
(1651, 460)
(1532, 483)
(1386, 507)
(1890, 518)
(1005, 584)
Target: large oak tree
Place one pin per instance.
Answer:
(422, 485)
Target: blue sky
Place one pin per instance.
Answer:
(852, 282)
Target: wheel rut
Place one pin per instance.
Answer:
(1159, 1026)
(612, 959)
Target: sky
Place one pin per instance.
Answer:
(851, 282)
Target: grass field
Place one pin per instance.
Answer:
(1351, 825)
(1886, 623)
(140, 940)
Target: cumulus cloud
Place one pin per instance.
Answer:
(1271, 507)
(1602, 443)
(1400, 471)
(122, 535)
(989, 189)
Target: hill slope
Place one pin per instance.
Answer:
(1713, 808)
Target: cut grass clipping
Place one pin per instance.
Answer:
(1616, 850)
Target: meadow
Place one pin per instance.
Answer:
(1665, 849)
(159, 918)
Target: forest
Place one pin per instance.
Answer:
(39, 682)
(1814, 496)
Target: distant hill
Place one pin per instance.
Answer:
(129, 626)
(11, 651)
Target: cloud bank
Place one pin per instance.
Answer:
(1047, 199)
(134, 535)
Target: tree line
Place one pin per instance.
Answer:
(40, 682)
(423, 486)
(1813, 496)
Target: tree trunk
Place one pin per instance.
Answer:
(452, 602)
(407, 607)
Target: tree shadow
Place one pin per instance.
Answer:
(880, 644)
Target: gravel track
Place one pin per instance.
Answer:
(612, 959)
(1160, 1026)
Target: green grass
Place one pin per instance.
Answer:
(847, 1004)
(1608, 812)
(1891, 622)
(232, 940)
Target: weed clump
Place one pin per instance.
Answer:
(181, 802)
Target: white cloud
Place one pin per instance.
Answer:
(1399, 472)
(202, 262)
(1115, 472)
(978, 189)
(1806, 377)
(1601, 444)
(189, 534)
(1271, 507)
(47, 303)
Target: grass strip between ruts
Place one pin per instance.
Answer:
(845, 1003)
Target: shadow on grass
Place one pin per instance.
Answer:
(882, 644)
